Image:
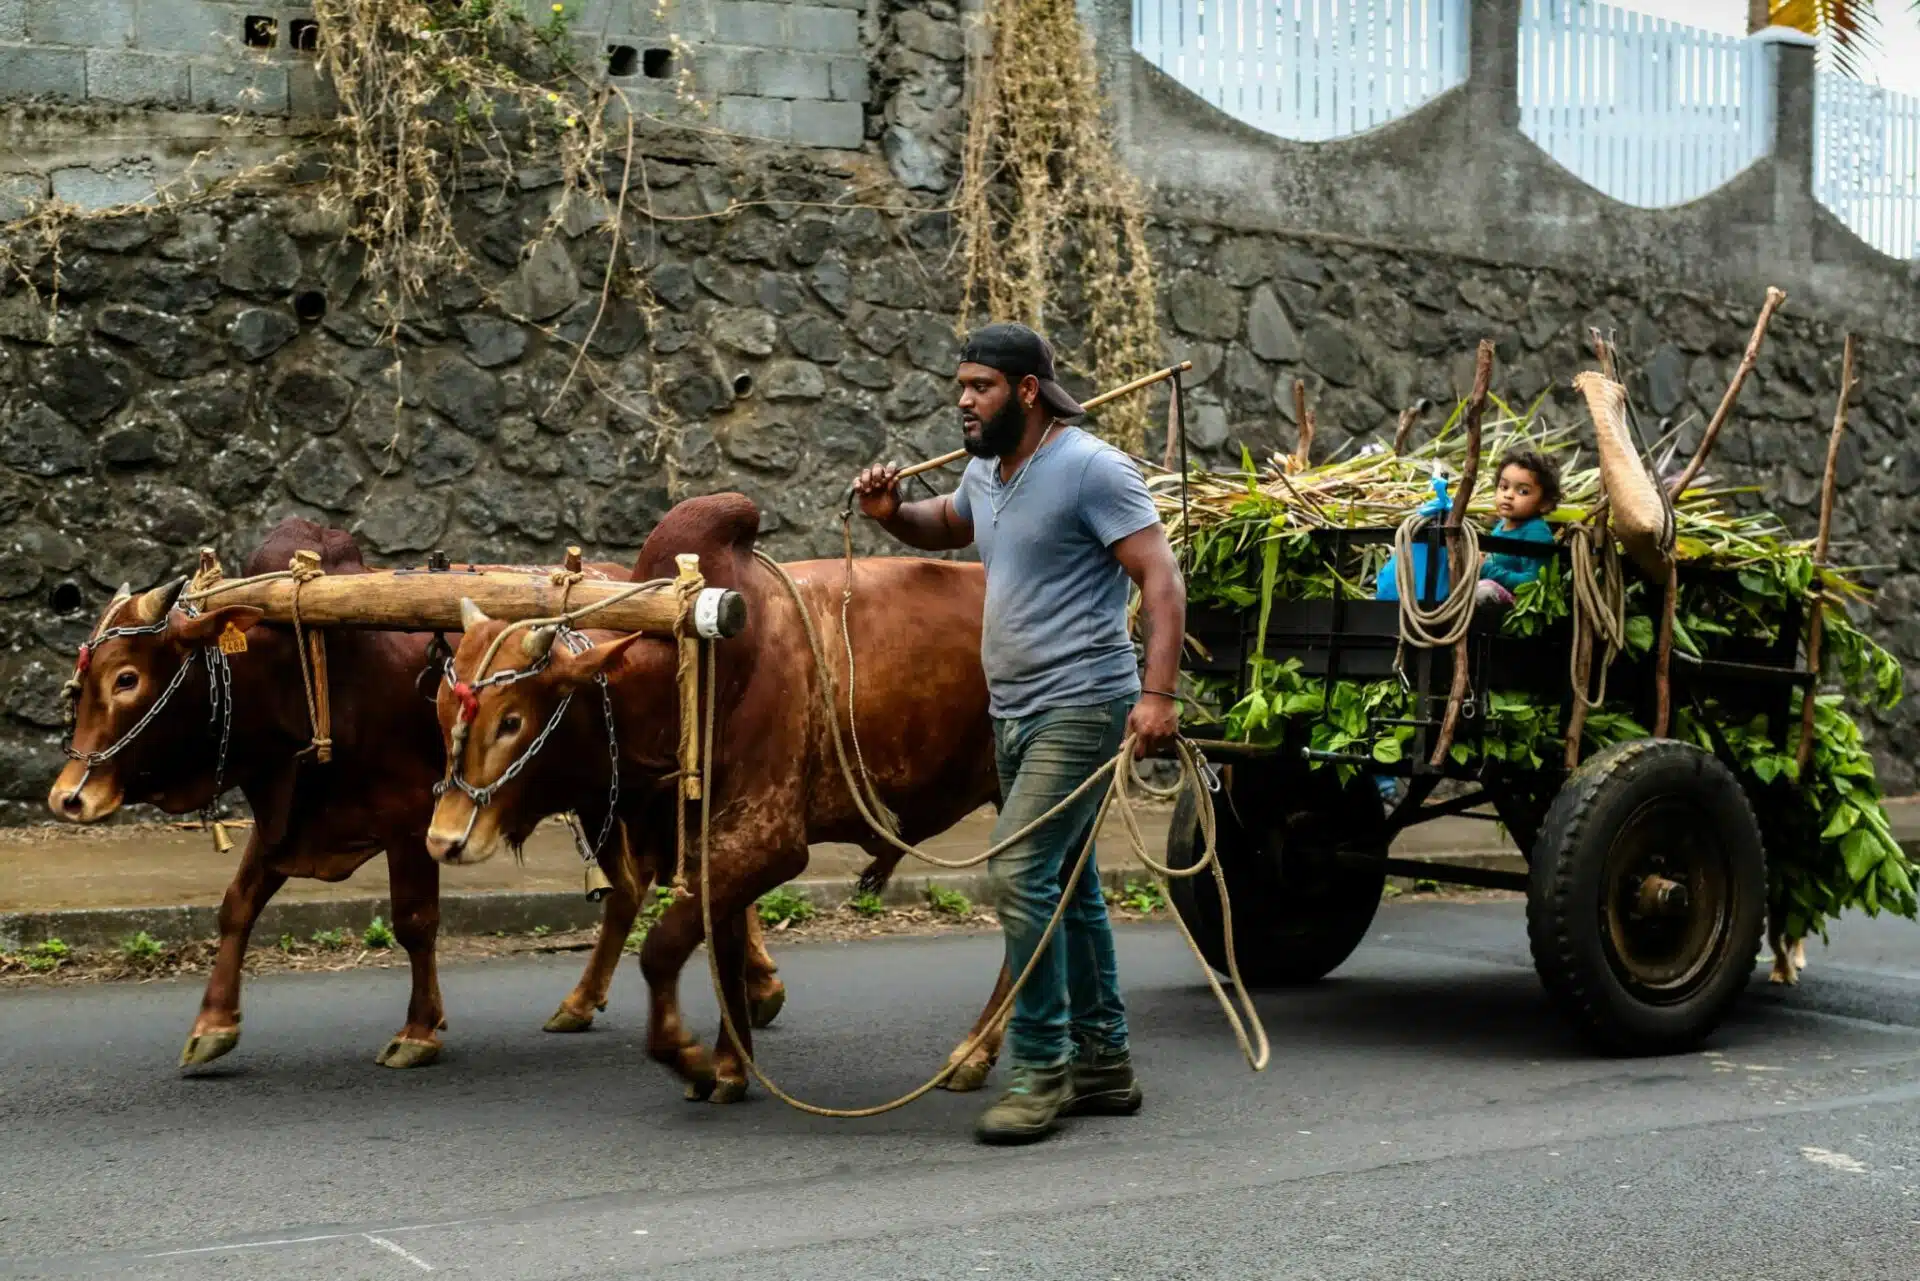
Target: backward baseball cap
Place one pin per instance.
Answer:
(1018, 351)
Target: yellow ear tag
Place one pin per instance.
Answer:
(233, 640)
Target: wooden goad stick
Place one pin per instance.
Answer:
(934, 464)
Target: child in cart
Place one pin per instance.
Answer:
(1526, 488)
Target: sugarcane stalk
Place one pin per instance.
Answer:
(1817, 624)
(1456, 551)
(1775, 297)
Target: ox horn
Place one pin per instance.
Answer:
(152, 606)
(471, 615)
(538, 642)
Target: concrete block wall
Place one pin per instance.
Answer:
(194, 55)
(788, 71)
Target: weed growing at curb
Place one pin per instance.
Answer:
(783, 907)
(141, 949)
(329, 940)
(948, 902)
(866, 903)
(378, 934)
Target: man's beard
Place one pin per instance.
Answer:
(999, 435)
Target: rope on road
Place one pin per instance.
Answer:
(1118, 776)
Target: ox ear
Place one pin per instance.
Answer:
(574, 670)
(204, 629)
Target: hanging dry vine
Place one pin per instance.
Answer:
(1052, 222)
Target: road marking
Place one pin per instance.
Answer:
(1833, 1160)
(325, 1236)
(403, 1252)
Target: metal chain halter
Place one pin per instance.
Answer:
(467, 694)
(70, 692)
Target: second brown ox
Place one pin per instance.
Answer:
(774, 782)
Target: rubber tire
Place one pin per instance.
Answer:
(1563, 920)
(1280, 938)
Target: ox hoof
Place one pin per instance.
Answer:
(565, 1020)
(699, 1091)
(766, 1009)
(728, 1091)
(1785, 976)
(403, 1052)
(205, 1047)
(967, 1078)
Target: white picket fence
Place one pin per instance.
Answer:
(1650, 112)
(1310, 70)
(1866, 161)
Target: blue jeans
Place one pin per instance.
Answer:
(1075, 989)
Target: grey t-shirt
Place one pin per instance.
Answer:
(1055, 632)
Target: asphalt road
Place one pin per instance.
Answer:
(1425, 1116)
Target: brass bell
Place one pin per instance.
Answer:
(222, 843)
(598, 886)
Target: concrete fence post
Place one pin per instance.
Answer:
(1789, 65)
(1493, 62)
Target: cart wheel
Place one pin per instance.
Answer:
(1298, 909)
(1647, 897)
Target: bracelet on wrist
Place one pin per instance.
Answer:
(1162, 693)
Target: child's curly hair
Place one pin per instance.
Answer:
(1546, 473)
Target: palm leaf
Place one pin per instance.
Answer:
(1850, 28)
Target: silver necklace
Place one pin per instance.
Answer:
(1014, 486)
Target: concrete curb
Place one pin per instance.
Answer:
(461, 914)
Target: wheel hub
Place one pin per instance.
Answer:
(1665, 901)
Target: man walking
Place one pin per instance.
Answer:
(1062, 521)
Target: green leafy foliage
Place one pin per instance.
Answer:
(948, 902)
(1145, 897)
(331, 940)
(783, 907)
(378, 934)
(1830, 847)
(651, 911)
(141, 948)
(868, 904)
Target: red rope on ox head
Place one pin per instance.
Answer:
(468, 700)
(84, 662)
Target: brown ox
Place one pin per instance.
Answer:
(311, 820)
(774, 782)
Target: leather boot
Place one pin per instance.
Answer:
(1029, 1108)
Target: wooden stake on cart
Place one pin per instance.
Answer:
(1663, 655)
(1408, 417)
(1775, 298)
(1456, 550)
(1303, 420)
(1817, 623)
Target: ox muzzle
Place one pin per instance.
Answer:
(83, 794)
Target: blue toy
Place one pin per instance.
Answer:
(1385, 586)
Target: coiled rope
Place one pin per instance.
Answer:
(1446, 623)
(1599, 606)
